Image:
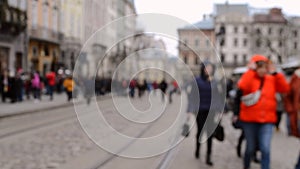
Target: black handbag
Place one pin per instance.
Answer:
(237, 124)
(185, 130)
(219, 133)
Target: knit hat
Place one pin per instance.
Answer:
(257, 58)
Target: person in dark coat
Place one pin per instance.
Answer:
(205, 84)
(163, 87)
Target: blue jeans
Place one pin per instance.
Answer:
(260, 133)
(298, 163)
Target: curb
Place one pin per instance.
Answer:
(48, 108)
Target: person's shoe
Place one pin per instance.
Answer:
(197, 154)
(256, 160)
(209, 162)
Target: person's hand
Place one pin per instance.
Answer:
(189, 116)
(252, 65)
(235, 118)
(271, 67)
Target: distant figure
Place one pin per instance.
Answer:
(4, 86)
(132, 86)
(69, 87)
(173, 90)
(89, 89)
(36, 87)
(51, 81)
(154, 86)
(163, 87)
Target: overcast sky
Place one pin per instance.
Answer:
(193, 10)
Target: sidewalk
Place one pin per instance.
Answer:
(29, 106)
(284, 153)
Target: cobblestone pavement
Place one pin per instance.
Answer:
(55, 146)
(284, 151)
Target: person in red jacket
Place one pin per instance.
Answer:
(51, 79)
(259, 116)
(292, 106)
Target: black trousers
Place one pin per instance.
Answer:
(201, 119)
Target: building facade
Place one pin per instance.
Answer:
(13, 35)
(196, 43)
(71, 26)
(43, 35)
(233, 27)
(271, 35)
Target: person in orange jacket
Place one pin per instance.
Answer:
(292, 106)
(259, 116)
(69, 86)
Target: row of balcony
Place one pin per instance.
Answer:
(45, 34)
(13, 21)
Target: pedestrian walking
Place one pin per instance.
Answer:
(4, 85)
(174, 89)
(163, 87)
(292, 105)
(132, 86)
(258, 106)
(36, 87)
(89, 89)
(51, 82)
(69, 87)
(205, 84)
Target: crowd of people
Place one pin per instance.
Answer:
(143, 86)
(262, 94)
(27, 86)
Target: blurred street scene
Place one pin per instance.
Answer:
(97, 84)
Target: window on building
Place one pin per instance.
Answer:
(245, 29)
(207, 43)
(258, 32)
(269, 43)
(258, 43)
(245, 58)
(46, 14)
(34, 51)
(185, 59)
(54, 19)
(295, 33)
(245, 42)
(196, 42)
(270, 31)
(280, 31)
(46, 50)
(235, 42)
(196, 60)
(295, 45)
(185, 41)
(222, 57)
(222, 42)
(235, 29)
(34, 14)
(280, 43)
(235, 57)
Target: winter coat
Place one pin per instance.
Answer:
(35, 82)
(51, 78)
(292, 104)
(264, 111)
(69, 84)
